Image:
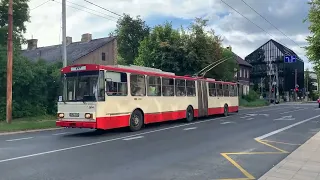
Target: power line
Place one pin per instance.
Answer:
(91, 9)
(268, 21)
(86, 11)
(250, 21)
(40, 5)
(103, 8)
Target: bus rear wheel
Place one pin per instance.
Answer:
(189, 114)
(136, 120)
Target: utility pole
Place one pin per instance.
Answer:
(277, 85)
(270, 88)
(9, 64)
(261, 88)
(306, 88)
(295, 84)
(64, 33)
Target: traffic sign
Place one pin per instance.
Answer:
(290, 59)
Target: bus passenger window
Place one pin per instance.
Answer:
(232, 90)
(180, 87)
(226, 90)
(137, 85)
(191, 88)
(167, 87)
(219, 88)
(212, 89)
(154, 86)
(117, 84)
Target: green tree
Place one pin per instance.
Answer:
(20, 16)
(129, 33)
(184, 53)
(162, 49)
(313, 50)
(309, 83)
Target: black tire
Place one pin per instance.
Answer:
(226, 110)
(319, 105)
(136, 120)
(189, 114)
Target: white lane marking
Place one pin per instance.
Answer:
(285, 128)
(61, 133)
(293, 111)
(132, 138)
(191, 128)
(285, 118)
(115, 139)
(249, 119)
(19, 139)
(226, 122)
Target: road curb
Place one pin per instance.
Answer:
(26, 131)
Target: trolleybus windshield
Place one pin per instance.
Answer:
(84, 86)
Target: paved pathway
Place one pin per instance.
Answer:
(302, 164)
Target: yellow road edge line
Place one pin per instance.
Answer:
(248, 153)
(246, 173)
(260, 141)
(279, 142)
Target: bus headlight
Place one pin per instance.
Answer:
(88, 116)
(61, 115)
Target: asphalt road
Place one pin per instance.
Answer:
(242, 145)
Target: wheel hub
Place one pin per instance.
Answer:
(135, 121)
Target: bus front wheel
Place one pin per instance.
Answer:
(136, 120)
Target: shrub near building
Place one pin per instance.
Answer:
(252, 100)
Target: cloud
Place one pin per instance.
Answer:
(241, 34)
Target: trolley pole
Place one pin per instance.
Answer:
(9, 64)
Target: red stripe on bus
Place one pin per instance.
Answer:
(113, 122)
(164, 116)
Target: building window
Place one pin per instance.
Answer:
(248, 74)
(241, 72)
(103, 56)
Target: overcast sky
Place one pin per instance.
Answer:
(241, 34)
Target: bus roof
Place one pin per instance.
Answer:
(133, 69)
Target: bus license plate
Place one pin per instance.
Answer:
(74, 114)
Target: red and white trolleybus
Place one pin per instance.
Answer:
(107, 97)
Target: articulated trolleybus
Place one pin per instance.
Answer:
(108, 97)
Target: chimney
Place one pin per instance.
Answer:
(229, 48)
(86, 37)
(32, 44)
(68, 40)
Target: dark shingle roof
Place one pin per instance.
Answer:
(282, 48)
(242, 62)
(75, 50)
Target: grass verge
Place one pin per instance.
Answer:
(21, 124)
(254, 103)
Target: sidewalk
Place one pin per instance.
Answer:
(302, 164)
